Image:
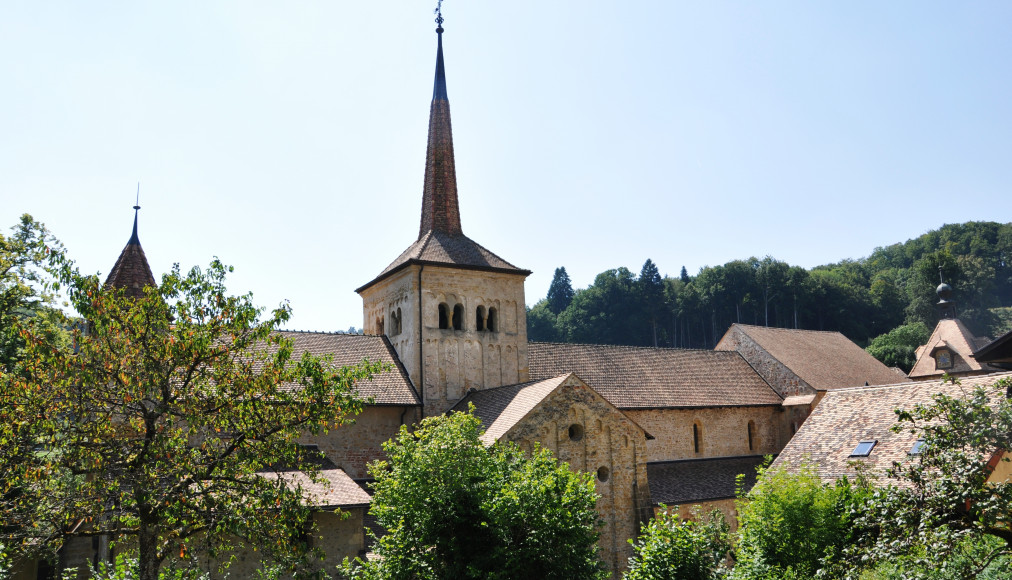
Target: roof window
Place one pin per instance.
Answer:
(918, 447)
(864, 448)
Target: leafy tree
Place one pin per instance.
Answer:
(605, 313)
(25, 288)
(943, 501)
(792, 524)
(153, 428)
(453, 508)
(560, 292)
(541, 323)
(897, 347)
(671, 549)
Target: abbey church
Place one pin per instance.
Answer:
(654, 425)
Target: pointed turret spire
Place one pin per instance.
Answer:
(132, 272)
(440, 212)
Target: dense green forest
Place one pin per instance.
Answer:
(863, 299)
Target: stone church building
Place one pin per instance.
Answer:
(654, 425)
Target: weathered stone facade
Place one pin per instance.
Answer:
(712, 432)
(478, 341)
(591, 435)
(354, 446)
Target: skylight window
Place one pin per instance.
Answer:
(863, 448)
(918, 447)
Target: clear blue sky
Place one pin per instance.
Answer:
(288, 138)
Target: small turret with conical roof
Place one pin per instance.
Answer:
(131, 272)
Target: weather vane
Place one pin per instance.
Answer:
(439, 13)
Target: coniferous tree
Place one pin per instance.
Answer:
(650, 288)
(560, 293)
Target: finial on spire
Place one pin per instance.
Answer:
(137, 206)
(439, 16)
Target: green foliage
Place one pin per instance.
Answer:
(943, 514)
(26, 291)
(541, 323)
(861, 299)
(792, 524)
(560, 292)
(153, 429)
(453, 508)
(897, 347)
(671, 549)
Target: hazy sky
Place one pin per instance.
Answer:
(288, 138)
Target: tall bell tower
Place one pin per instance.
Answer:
(453, 310)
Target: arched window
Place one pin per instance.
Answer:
(751, 435)
(492, 322)
(695, 437)
(479, 318)
(379, 326)
(444, 316)
(458, 317)
(395, 319)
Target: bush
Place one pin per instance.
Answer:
(670, 549)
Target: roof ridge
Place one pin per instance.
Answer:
(631, 347)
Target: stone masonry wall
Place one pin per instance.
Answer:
(723, 431)
(353, 447)
(606, 444)
(453, 360)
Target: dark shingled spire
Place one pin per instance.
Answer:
(131, 272)
(440, 212)
(441, 241)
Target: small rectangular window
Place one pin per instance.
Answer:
(918, 447)
(863, 448)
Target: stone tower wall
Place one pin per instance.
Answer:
(452, 361)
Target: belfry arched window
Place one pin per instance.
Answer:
(379, 326)
(444, 316)
(395, 322)
(458, 317)
(492, 322)
(479, 318)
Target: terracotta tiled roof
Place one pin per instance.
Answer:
(442, 249)
(952, 334)
(335, 489)
(131, 273)
(653, 378)
(501, 408)
(392, 387)
(846, 417)
(698, 480)
(824, 360)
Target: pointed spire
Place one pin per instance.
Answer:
(131, 271)
(440, 211)
(134, 239)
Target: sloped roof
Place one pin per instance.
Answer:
(699, 480)
(131, 273)
(846, 417)
(824, 360)
(950, 333)
(452, 251)
(392, 387)
(998, 350)
(655, 378)
(501, 408)
(335, 488)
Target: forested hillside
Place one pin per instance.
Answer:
(863, 299)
